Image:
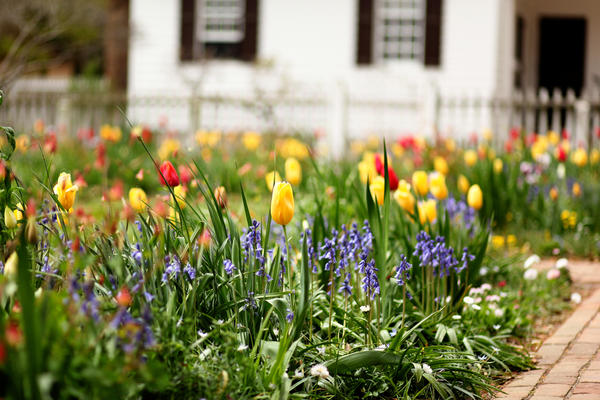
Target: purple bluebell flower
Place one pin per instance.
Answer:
(290, 316)
(228, 266)
(346, 286)
(370, 282)
(402, 271)
(190, 271)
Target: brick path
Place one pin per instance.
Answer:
(569, 360)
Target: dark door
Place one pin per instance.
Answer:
(562, 53)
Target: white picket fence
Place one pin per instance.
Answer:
(339, 116)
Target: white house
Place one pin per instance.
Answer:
(352, 67)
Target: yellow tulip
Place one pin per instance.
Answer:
(65, 191)
(511, 240)
(221, 196)
(404, 197)
(553, 138)
(9, 218)
(19, 211)
(293, 171)
(580, 157)
(470, 157)
(377, 188)
(138, 199)
(498, 241)
(440, 165)
(594, 156)
(282, 203)
(180, 193)
(251, 140)
(272, 178)
(488, 135)
(450, 145)
(475, 197)
(419, 181)
(427, 211)
(463, 184)
(437, 184)
(498, 165)
(366, 171)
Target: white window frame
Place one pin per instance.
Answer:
(227, 18)
(410, 46)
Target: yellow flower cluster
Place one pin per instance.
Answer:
(168, 148)
(291, 147)
(208, 139)
(568, 218)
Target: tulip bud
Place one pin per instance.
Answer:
(168, 174)
(272, 178)
(498, 165)
(282, 203)
(10, 268)
(475, 197)
(138, 199)
(427, 211)
(10, 219)
(470, 157)
(123, 297)
(293, 171)
(463, 184)
(419, 181)
(437, 182)
(553, 193)
(31, 230)
(576, 190)
(440, 165)
(377, 189)
(221, 196)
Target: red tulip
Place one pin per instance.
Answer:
(169, 173)
(561, 154)
(515, 133)
(565, 134)
(391, 174)
(124, 297)
(186, 174)
(379, 164)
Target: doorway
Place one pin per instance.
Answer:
(562, 53)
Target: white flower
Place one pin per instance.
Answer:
(553, 274)
(486, 287)
(427, 369)
(476, 307)
(576, 298)
(320, 371)
(496, 327)
(492, 297)
(483, 271)
(498, 313)
(456, 317)
(299, 373)
(530, 274)
(561, 263)
(468, 300)
(560, 171)
(202, 334)
(220, 322)
(496, 268)
(242, 347)
(321, 350)
(365, 308)
(531, 261)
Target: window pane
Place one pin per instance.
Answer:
(221, 21)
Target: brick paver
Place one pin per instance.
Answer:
(569, 360)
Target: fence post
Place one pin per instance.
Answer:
(63, 113)
(582, 122)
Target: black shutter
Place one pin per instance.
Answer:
(248, 45)
(188, 32)
(433, 32)
(364, 48)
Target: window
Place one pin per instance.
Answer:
(399, 29)
(221, 21)
(218, 29)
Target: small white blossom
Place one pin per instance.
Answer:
(483, 271)
(456, 317)
(476, 307)
(499, 312)
(531, 261)
(486, 287)
(530, 274)
(299, 373)
(365, 309)
(202, 334)
(561, 263)
(468, 300)
(560, 171)
(576, 298)
(321, 350)
(496, 327)
(242, 347)
(427, 369)
(319, 370)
